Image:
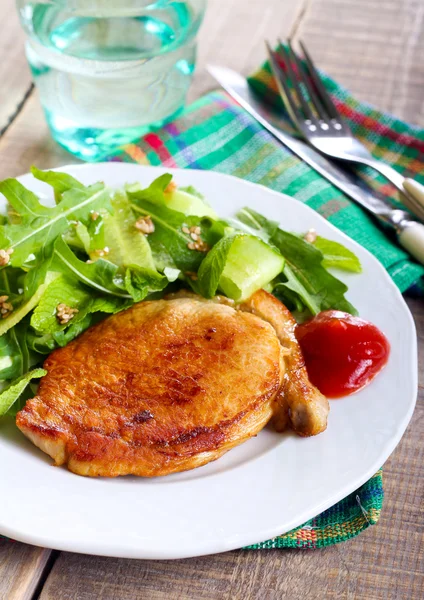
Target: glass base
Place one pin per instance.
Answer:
(95, 145)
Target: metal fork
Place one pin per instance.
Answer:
(318, 120)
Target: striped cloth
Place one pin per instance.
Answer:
(215, 133)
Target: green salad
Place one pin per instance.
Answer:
(99, 250)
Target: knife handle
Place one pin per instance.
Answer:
(411, 237)
(415, 189)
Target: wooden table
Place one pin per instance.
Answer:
(374, 47)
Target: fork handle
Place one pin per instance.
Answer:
(411, 237)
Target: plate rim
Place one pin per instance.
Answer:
(219, 545)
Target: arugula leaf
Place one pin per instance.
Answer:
(13, 353)
(305, 274)
(60, 182)
(70, 292)
(127, 246)
(260, 224)
(101, 275)
(168, 242)
(212, 266)
(297, 285)
(36, 226)
(288, 297)
(11, 394)
(140, 282)
(338, 256)
(153, 193)
(33, 227)
(78, 205)
(85, 238)
(11, 362)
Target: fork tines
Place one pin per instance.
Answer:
(308, 103)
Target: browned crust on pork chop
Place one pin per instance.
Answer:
(164, 386)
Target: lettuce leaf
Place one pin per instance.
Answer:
(44, 343)
(11, 394)
(69, 291)
(127, 246)
(101, 275)
(338, 256)
(20, 311)
(140, 282)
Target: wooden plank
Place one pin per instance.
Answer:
(28, 142)
(373, 47)
(233, 35)
(21, 567)
(14, 73)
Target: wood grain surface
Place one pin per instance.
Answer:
(21, 569)
(375, 48)
(15, 78)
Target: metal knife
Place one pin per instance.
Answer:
(410, 232)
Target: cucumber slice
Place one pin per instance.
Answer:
(251, 264)
(188, 204)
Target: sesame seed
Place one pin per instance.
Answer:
(191, 246)
(3, 299)
(191, 275)
(194, 236)
(4, 258)
(65, 313)
(171, 187)
(94, 215)
(310, 236)
(185, 230)
(145, 225)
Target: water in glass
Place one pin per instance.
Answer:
(107, 70)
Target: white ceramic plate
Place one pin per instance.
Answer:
(264, 487)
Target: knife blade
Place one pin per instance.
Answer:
(237, 86)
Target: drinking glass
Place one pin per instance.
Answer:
(109, 70)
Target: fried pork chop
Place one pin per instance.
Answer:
(169, 385)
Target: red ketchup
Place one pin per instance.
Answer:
(342, 353)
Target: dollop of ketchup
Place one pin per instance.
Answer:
(342, 353)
